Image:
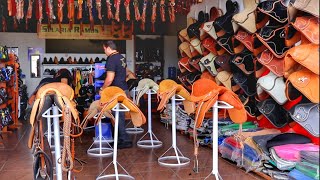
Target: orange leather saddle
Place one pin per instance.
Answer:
(111, 96)
(169, 88)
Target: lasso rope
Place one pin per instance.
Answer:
(66, 151)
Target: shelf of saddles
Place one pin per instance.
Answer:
(71, 60)
(267, 54)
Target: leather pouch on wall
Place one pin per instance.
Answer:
(224, 62)
(273, 112)
(309, 6)
(194, 62)
(307, 55)
(274, 39)
(309, 27)
(307, 115)
(208, 62)
(247, 83)
(275, 86)
(246, 18)
(210, 45)
(274, 64)
(306, 82)
(244, 61)
(245, 38)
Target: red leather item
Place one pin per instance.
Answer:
(289, 104)
(210, 44)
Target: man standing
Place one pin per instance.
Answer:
(116, 76)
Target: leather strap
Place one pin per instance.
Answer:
(29, 13)
(91, 19)
(60, 13)
(127, 7)
(98, 6)
(171, 9)
(117, 6)
(110, 14)
(71, 13)
(143, 16)
(136, 10)
(162, 10)
(153, 15)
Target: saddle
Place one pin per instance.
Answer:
(224, 77)
(247, 84)
(275, 113)
(246, 18)
(184, 65)
(244, 61)
(245, 38)
(143, 86)
(94, 109)
(194, 62)
(306, 55)
(111, 96)
(275, 9)
(208, 63)
(224, 62)
(309, 6)
(275, 86)
(210, 45)
(183, 35)
(62, 95)
(196, 44)
(307, 115)
(274, 64)
(306, 82)
(309, 27)
(169, 88)
(194, 29)
(184, 48)
(207, 27)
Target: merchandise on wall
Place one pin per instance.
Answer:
(267, 53)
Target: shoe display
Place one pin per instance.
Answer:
(80, 60)
(55, 60)
(45, 61)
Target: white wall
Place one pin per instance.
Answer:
(23, 41)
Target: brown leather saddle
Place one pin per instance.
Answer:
(210, 44)
(224, 62)
(169, 88)
(111, 96)
(93, 110)
(245, 38)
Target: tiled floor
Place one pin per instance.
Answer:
(16, 159)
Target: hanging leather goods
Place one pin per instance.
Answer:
(171, 11)
(110, 15)
(98, 4)
(143, 17)
(117, 6)
(49, 10)
(9, 7)
(80, 2)
(14, 13)
(127, 7)
(162, 10)
(71, 13)
(60, 13)
(153, 15)
(20, 8)
(136, 10)
(29, 12)
(89, 4)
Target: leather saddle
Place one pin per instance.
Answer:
(307, 115)
(275, 86)
(244, 61)
(309, 6)
(224, 77)
(169, 88)
(224, 62)
(274, 64)
(93, 110)
(306, 82)
(184, 48)
(184, 65)
(245, 38)
(274, 112)
(183, 34)
(210, 44)
(275, 9)
(247, 83)
(207, 62)
(194, 62)
(196, 44)
(143, 86)
(193, 30)
(111, 96)
(246, 18)
(309, 27)
(207, 27)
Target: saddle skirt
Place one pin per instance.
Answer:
(169, 88)
(111, 96)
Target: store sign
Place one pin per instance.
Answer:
(97, 33)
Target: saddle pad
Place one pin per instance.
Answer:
(210, 45)
(243, 82)
(208, 62)
(274, 64)
(245, 38)
(306, 82)
(273, 112)
(287, 138)
(274, 39)
(307, 55)
(246, 18)
(309, 6)
(224, 77)
(275, 86)
(309, 27)
(261, 142)
(307, 115)
(209, 29)
(291, 152)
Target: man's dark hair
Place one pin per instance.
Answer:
(110, 44)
